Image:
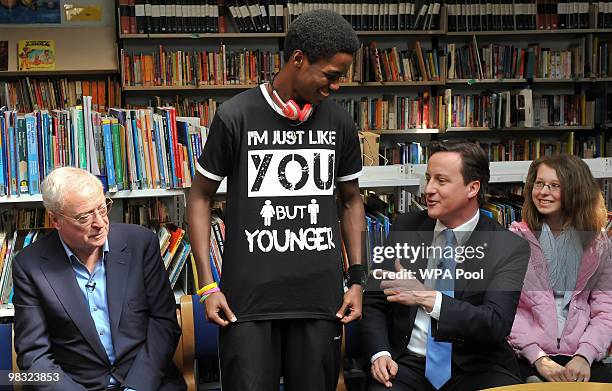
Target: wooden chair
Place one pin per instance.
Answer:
(8, 357)
(199, 342)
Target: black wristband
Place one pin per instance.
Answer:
(356, 275)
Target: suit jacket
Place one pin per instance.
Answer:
(54, 330)
(479, 317)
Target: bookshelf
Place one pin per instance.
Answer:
(516, 171)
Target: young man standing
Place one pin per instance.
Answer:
(283, 147)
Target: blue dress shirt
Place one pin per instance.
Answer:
(93, 288)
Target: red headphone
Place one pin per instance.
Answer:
(291, 109)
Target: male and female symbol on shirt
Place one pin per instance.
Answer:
(281, 212)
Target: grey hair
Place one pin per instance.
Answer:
(65, 180)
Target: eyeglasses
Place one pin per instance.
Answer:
(552, 187)
(88, 217)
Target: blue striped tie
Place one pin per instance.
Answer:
(438, 355)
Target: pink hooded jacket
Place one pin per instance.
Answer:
(588, 327)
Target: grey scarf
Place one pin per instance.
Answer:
(563, 255)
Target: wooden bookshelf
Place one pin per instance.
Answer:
(78, 50)
(522, 81)
(247, 86)
(75, 73)
(394, 83)
(204, 36)
(520, 32)
(522, 129)
(188, 88)
(404, 131)
(418, 33)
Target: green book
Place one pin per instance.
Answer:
(117, 151)
(80, 129)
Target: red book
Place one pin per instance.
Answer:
(124, 16)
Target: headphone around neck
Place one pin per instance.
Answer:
(291, 110)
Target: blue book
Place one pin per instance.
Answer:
(180, 263)
(108, 155)
(213, 268)
(160, 156)
(183, 138)
(135, 132)
(170, 142)
(47, 142)
(32, 150)
(2, 148)
(40, 143)
(487, 213)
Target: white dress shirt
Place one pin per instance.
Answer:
(418, 339)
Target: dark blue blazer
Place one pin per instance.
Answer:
(477, 319)
(54, 330)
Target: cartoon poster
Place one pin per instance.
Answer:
(3, 55)
(30, 11)
(36, 55)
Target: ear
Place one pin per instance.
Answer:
(55, 220)
(298, 58)
(473, 189)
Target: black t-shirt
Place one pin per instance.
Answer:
(282, 254)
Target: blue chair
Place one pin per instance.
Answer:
(199, 343)
(8, 359)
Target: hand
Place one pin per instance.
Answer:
(550, 370)
(406, 291)
(384, 369)
(578, 369)
(215, 303)
(352, 302)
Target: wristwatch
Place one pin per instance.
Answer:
(356, 274)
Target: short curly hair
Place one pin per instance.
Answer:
(320, 34)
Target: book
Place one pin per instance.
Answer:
(36, 55)
(4, 55)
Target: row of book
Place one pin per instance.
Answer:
(377, 15)
(29, 94)
(146, 212)
(12, 242)
(392, 112)
(175, 250)
(257, 16)
(507, 149)
(509, 15)
(519, 108)
(195, 68)
(128, 149)
(497, 61)
(204, 109)
(585, 146)
(405, 153)
(602, 59)
(173, 16)
(372, 64)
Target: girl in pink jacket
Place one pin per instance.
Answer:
(563, 324)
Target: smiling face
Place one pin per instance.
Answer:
(449, 198)
(546, 193)
(315, 81)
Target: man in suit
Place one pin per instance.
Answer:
(445, 333)
(92, 300)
